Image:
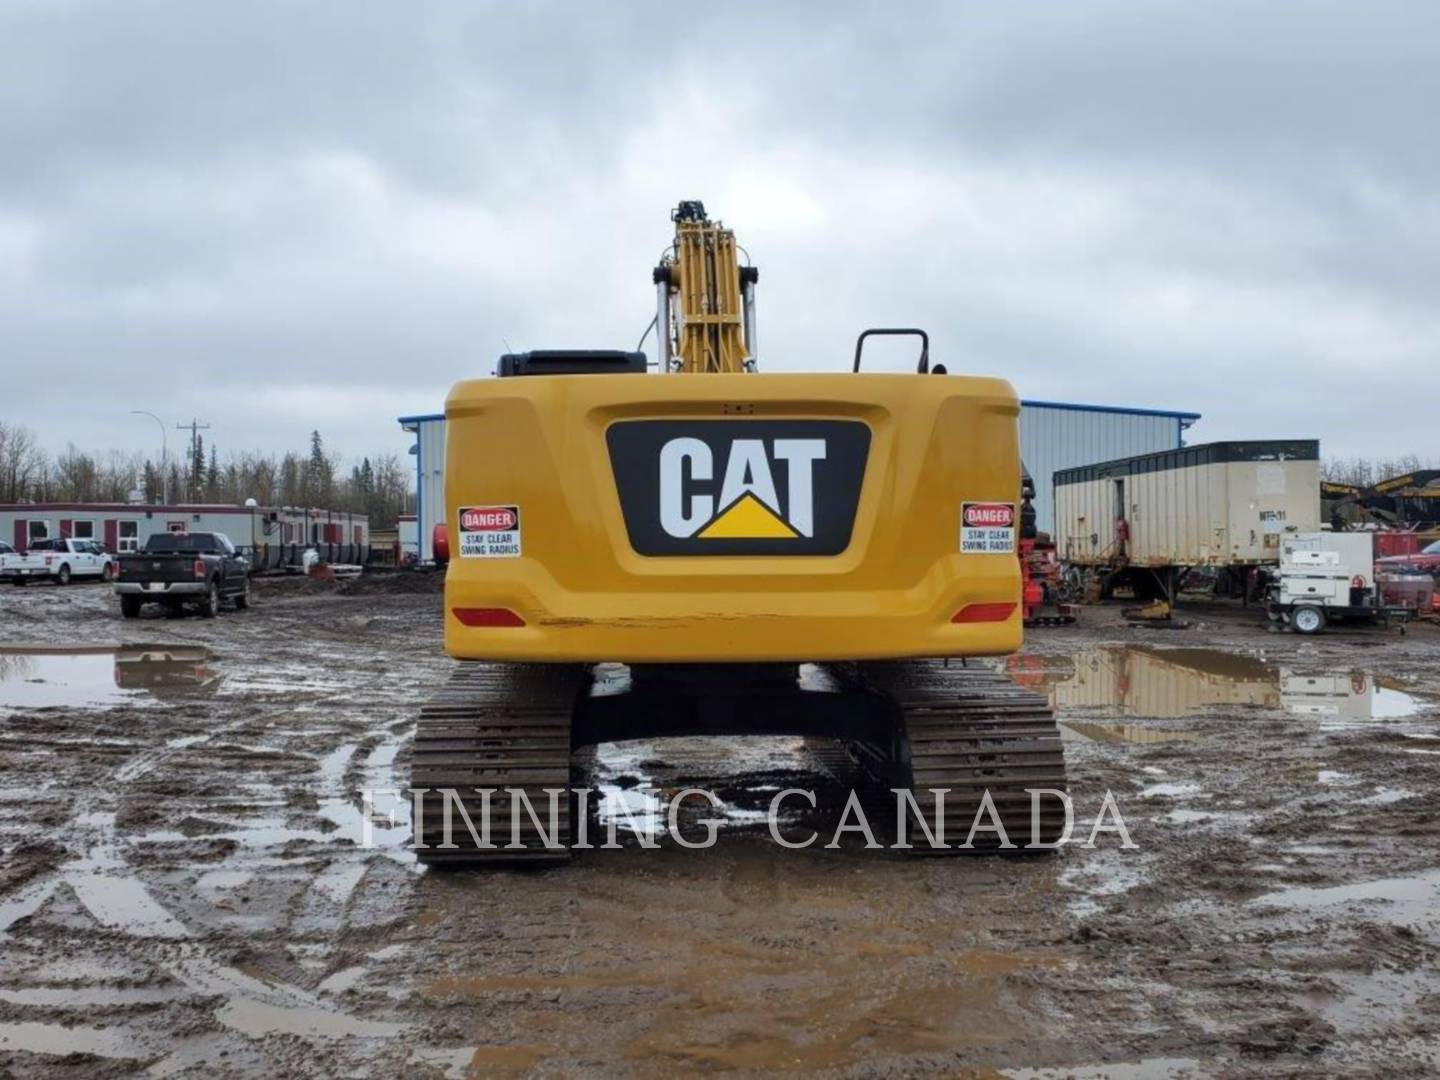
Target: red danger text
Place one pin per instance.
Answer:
(989, 515)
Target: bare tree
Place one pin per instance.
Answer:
(22, 463)
(1363, 472)
(377, 486)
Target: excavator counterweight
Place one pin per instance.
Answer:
(797, 554)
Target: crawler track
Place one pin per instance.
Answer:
(964, 730)
(969, 731)
(497, 727)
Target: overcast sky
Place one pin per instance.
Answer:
(285, 216)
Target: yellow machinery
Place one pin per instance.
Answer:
(779, 553)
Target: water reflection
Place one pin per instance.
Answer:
(33, 677)
(1143, 681)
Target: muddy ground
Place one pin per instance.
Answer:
(184, 889)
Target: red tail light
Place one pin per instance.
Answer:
(487, 616)
(972, 613)
(199, 567)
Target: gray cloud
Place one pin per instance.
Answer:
(284, 216)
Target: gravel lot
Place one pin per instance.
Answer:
(184, 888)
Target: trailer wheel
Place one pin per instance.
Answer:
(1308, 619)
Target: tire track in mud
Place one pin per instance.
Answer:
(257, 835)
(115, 896)
(238, 818)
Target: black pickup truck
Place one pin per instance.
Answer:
(185, 568)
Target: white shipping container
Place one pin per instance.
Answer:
(1221, 504)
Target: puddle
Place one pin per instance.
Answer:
(1385, 796)
(1101, 878)
(1146, 1069)
(61, 1041)
(69, 997)
(1189, 817)
(341, 981)
(257, 1019)
(1405, 900)
(1163, 683)
(38, 677)
(1169, 791)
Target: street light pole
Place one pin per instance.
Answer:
(164, 477)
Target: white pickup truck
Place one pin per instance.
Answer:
(59, 560)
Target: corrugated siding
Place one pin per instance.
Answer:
(430, 483)
(1218, 514)
(1053, 438)
(1050, 438)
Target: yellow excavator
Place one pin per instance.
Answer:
(706, 550)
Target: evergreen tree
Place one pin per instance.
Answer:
(291, 493)
(153, 483)
(196, 485)
(319, 479)
(212, 477)
(174, 483)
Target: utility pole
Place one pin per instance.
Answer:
(194, 427)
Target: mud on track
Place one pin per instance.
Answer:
(183, 889)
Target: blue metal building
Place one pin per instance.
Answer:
(1058, 435)
(1053, 435)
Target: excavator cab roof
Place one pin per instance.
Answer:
(571, 362)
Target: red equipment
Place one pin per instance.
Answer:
(1041, 584)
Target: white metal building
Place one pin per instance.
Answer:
(1054, 435)
(429, 451)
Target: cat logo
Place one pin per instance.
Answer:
(739, 487)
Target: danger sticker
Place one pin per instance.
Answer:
(987, 528)
(489, 532)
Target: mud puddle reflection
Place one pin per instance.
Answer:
(1405, 901)
(39, 677)
(1164, 683)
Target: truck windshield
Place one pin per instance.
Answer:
(188, 544)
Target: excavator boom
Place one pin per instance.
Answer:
(706, 300)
